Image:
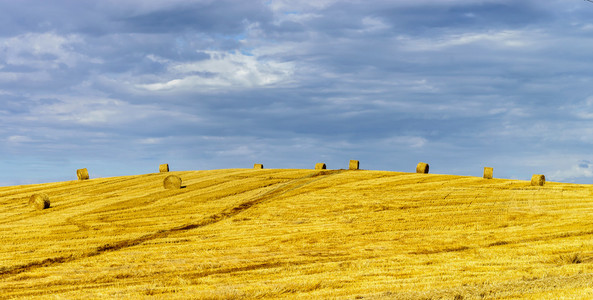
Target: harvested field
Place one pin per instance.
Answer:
(334, 234)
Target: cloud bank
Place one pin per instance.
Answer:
(121, 86)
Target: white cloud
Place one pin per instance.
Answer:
(373, 24)
(224, 70)
(18, 139)
(150, 141)
(41, 50)
(583, 110)
(500, 39)
(299, 5)
(404, 141)
(85, 111)
(241, 151)
(574, 171)
(9, 77)
(101, 111)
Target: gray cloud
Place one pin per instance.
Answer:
(119, 87)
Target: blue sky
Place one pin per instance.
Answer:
(120, 87)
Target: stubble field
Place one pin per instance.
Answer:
(322, 234)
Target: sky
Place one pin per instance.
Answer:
(119, 87)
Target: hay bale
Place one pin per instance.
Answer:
(172, 182)
(422, 168)
(488, 172)
(39, 201)
(164, 168)
(538, 180)
(354, 164)
(258, 166)
(320, 166)
(82, 174)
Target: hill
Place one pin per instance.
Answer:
(337, 234)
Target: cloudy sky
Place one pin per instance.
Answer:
(121, 86)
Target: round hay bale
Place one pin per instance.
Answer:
(39, 201)
(320, 166)
(258, 166)
(538, 180)
(172, 182)
(82, 174)
(164, 168)
(488, 172)
(422, 168)
(354, 164)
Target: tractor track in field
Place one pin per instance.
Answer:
(186, 275)
(58, 191)
(209, 220)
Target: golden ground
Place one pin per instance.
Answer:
(322, 234)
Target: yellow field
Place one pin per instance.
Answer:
(323, 234)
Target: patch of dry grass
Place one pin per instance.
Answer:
(245, 234)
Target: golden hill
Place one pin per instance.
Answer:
(325, 234)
